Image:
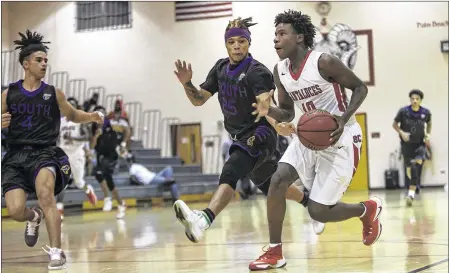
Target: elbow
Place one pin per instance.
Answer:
(363, 89)
(197, 103)
(395, 126)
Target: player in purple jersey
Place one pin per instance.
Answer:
(31, 110)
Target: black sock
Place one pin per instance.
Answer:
(210, 215)
(305, 199)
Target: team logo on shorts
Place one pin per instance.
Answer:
(250, 141)
(46, 96)
(65, 169)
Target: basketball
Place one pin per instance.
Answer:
(314, 129)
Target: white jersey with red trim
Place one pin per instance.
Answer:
(70, 130)
(309, 90)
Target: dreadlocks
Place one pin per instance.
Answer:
(30, 43)
(300, 22)
(241, 23)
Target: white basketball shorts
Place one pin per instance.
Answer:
(327, 173)
(77, 160)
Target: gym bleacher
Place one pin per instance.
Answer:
(150, 146)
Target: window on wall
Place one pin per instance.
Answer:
(91, 16)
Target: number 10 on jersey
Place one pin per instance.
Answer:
(308, 106)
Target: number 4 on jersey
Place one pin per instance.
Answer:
(27, 122)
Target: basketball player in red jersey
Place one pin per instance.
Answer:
(313, 80)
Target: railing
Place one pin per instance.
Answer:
(134, 110)
(166, 136)
(10, 67)
(212, 160)
(60, 80)
(110, 101)
(150, 129)
(77, 88)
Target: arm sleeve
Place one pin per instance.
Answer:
(429, 117)
(261, 80)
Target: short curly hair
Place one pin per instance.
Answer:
(300, 22)
(416, 92)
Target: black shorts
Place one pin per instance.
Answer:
(260, 143)
(20, 166)
(105, 165)
(413, 151)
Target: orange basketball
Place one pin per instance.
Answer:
(314, 129)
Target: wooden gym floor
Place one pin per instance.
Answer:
(150, 240)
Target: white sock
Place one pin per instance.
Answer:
(411, 193)
(363, 214)
(274, 245)
(36, 216)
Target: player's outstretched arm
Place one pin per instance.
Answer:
(332, 69)
(286, 110)
(72, 114)
(184, 73)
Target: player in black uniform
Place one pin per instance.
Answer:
(31, 110)
(106, 142)
(239, 81)
(413, 124)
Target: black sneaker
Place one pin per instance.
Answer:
(32, 229)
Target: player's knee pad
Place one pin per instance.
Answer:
(109, 182)
(237, 167)
(229, 175)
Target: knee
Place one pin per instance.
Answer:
(278, 185)
(17, 212)
(45, 197)
(318, 212)
(229, 176)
